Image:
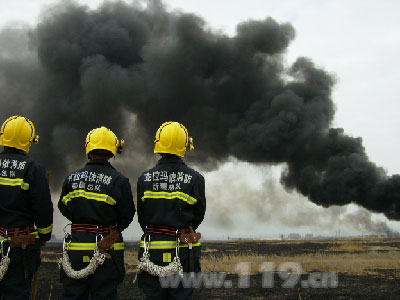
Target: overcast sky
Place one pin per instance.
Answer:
(356, 40)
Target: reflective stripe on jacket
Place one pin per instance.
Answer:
(24, 193)
(97, 194)
(171, 194)
(90, 246)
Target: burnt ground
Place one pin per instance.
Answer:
(385, 285)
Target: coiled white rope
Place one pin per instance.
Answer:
(146, 265)
(65, 263)
(97, 260)
(5, 261)
(175, 267)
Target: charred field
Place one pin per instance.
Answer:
(255, 270)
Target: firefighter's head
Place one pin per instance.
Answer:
(18, 132)
(103, 142)
(172, 138)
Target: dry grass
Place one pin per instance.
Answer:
(131, 257)
(353, 247)
(361, 245)
(355, 264)
(365, 263)
(347, 247)
(209, 250)
(354, 257)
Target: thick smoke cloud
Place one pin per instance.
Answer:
(270, 210)
(126, 65)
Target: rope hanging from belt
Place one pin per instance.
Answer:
(145, 264)
(65, 263)
(5, 261)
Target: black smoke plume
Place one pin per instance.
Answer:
(131, 67)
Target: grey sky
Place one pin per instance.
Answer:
(356, 40)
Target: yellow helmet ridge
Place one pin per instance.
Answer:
(103, 139)
(18, 132)
(172, 138)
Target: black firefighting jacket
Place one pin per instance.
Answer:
(25, 198)
(171, 194)
(97, 194)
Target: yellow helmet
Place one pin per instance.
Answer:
(103, 139)
(18, 132)
(172, 138)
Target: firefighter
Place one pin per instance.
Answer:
(98, 201)
(170, 201)
(26, 210)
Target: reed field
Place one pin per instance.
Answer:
(353, 257)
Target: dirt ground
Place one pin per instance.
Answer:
(384, 285)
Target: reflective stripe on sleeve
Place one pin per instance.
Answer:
(91, 246)
(35, 233)
(169, 195)
(166, 245)
(88, 195)
(14, 182)
(45, 230)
